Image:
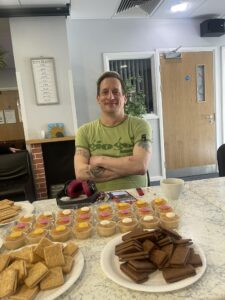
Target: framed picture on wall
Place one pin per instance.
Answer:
(45, 80)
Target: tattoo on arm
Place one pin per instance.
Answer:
(82, 153)
(145, 145)
(96, 171)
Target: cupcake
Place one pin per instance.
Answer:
(60, 233)
(106, 228)
(105, 215)
(170, 220)
(158, 202)
(84, 217)
(28, 218)
(144, 211)
(35, 236)
(44, 223)
(83, 230)
(84, 210)
(149, 222)
(140, 203)
(123, 205)
(24, 227)
(67, 221)
(65, 213)
(124, 213)
(46, 215)
(14, 240)
(163, 209)
(127, 224)
(104, 207)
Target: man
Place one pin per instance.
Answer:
(113, 151)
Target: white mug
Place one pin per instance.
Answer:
(172, 187)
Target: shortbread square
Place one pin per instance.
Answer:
(54, 256)
(8, 283)
(25, 293)
(39, 250)
(70, 249)
(4, 261)
(36, 274)
(53, 279)
(68, 264)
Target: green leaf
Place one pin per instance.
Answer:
(135, 105)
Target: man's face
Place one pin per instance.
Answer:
(111, 98)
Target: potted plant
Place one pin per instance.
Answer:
(135, 105)
(2, 60)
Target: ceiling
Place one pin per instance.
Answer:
(107, 9)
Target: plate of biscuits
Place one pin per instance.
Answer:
(153, 261)
(42, 271)
(11, 211)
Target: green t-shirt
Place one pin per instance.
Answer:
(115, 141)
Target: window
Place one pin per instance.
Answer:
(135, 67)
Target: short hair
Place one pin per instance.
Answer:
(110, 74)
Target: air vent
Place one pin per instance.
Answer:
(147, 5)
(35, 11)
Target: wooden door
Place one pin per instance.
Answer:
(9, 101)
(188, 111)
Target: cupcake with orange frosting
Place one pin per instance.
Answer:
(83, 230)
(123, 205)
(158, 202)
(140, 203)
(35, 236)
(14, 240)
(104, 207)
(60, 233)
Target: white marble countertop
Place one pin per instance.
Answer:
(201, 207)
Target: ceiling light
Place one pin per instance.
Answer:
(179, 7)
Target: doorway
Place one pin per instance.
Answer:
(188, 105)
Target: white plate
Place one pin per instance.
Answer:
(71, 278)
(156, 283)
(27, 208)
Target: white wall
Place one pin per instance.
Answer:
(89, 39)
(47, 37)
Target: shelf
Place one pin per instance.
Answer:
(50, 140)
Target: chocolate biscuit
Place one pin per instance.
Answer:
(134, 256)
(158, 258)
(180, 256)
(135, 276)
(176, 274)
(142, 266)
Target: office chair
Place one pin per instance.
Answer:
(16, 175)
(221, 160)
